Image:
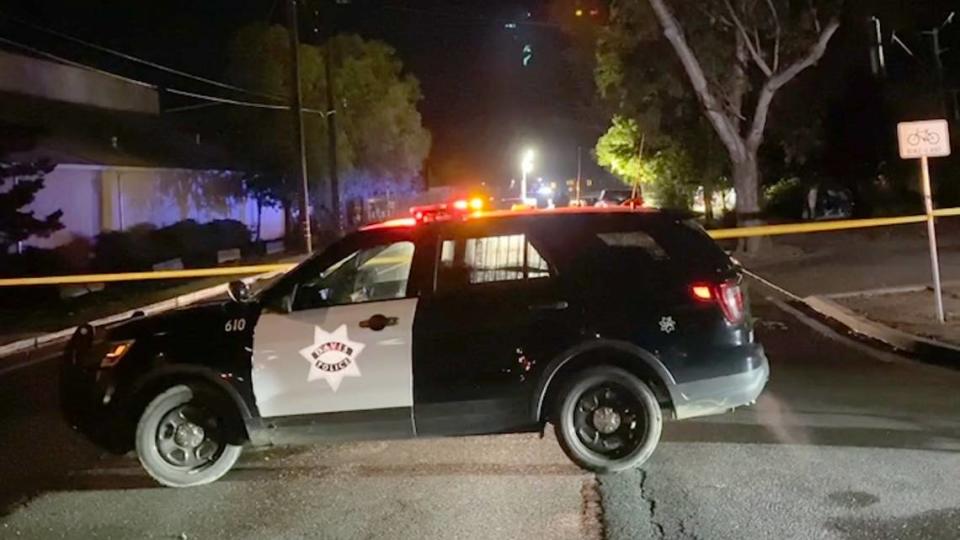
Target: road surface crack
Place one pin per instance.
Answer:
(651, 505)
(591, 513)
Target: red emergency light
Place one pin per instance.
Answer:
(456, 209)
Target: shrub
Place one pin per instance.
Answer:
(71, 258)
(785, 199)
(130, 250)
(142, 246)
(228, 234)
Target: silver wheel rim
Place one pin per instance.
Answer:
(189, 437)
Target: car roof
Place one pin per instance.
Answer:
(549, 214)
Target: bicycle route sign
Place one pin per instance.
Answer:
(928, 138)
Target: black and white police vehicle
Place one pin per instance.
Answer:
(598, 321)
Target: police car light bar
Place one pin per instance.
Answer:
(457, 208)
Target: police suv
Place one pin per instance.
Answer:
(598, 321)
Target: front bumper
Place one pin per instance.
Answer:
(720, 394)
(87, 397)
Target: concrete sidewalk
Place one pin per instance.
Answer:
(872, 283)
(841, 262)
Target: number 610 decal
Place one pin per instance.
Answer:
(235, 325)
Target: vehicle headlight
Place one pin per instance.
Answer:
(115, 351)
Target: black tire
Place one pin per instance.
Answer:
(172, 450)
(624, 439)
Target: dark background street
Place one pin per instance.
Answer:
(846, 442)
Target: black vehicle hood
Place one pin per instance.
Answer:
(204, 319)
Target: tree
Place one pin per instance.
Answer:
(668, 172)
(16, 223)
(737, 54)
(379, 129)
(19, 184)
(638, 77)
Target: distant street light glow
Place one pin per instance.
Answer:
(526, 163)
(526, 167)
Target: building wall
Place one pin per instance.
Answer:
(50, 80)
(76, 191)
(96, 199)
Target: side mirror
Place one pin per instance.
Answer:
(238, 291)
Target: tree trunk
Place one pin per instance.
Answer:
(259, 216)
(708, 202)
(746, 183)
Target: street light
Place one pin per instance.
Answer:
(526, 167)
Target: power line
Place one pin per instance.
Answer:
(470, 19)
(135, 59)
(195, 95)
(72, 63)
(244, 103)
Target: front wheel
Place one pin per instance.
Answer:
(608, 420)
(183, 437)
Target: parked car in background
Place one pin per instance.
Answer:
(613, 197)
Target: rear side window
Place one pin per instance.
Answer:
(490, 259)
(680, 245)
(638, 240)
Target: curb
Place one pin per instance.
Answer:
(846, 320)
(35, 343)
(895, 338)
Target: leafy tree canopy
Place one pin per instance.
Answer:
(379, 129)
(19, 184)
(735, 56)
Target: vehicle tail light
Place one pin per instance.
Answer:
(702, 292)
(731, 301)
(727, 294)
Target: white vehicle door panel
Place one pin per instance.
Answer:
(321, 360)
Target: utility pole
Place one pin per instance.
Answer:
(579, 171)
(938, 59)
(938, 62)
(297, 109)
(332, 132)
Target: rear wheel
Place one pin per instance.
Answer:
(183, 436)
(608, 420)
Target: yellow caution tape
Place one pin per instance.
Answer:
(819, 226)
(139, 276)
(717, 234)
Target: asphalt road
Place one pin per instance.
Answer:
(845, 443)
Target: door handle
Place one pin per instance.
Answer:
(559, 305)
(378, 322)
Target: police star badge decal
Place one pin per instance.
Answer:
(667, 324)
(332, 356)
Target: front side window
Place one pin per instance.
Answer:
(489, 259)
(366, 275)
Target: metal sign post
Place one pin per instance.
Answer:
(932, 236)
(924, 140)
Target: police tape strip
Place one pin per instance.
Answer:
(820, 226)
(140, 276)
(40, 341)
(716, 234)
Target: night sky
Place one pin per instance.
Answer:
(480, 104)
